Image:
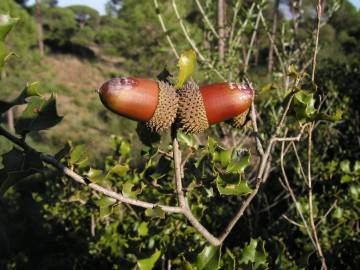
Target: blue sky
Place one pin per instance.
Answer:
(100, 4)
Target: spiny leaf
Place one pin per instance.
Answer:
(78, 156)
(149, 263)
(235, 189)
(254, 253)
(29, 91)
(155, 212)
(129, 191)
(208, 259)
(186, 64)
(6, 24)
(105, 205)
(40, 114)
(143, 229)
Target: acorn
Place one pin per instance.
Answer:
(211, 104)
(149, 101)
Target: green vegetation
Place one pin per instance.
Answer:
(294, 175)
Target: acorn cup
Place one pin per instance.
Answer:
(211, 104)
(149, 101)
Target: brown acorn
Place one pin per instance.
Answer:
(211, 104)
(152, 102)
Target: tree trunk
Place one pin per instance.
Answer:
(10, 120)
(221, 23)
(39, 26)
(273, 34)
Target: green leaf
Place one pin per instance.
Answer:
(18, 165)
(240, 161)
(254, 253)
(212, 145)
(29, 91)
(143, 229)
(124, 148)
(304, 105)
(149, 263)
(186, 64)
(208, 259)
(96, 176)
(235, 189)
(345, 166)
(128, 190)
(6, 24)
(39, 115)
(155, 212)
(120, 170)
(187, 139)
(105, 205)
(78, 156)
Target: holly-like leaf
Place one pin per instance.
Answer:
(304, 105)
(29, 91)
(18, 165)
(149, 263)
(254, 253)
(187, 139)
(234, 189)
(78, 156)
(40, 114)
(186, 64)
(105, 205)
(240, 161)
(208, 259)
(120, 170)
(6, 24)
(155, 212)
(129, 191)
(143, 229)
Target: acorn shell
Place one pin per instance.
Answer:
(211, 104)
(142, 100)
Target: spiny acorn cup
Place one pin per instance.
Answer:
(153, 102)
(211, 104)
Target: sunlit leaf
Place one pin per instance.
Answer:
(149, 263)
(29, 91)
(304, 105)
(120, 170)
(129, 191)
(240, 161)
(235, 189)
(39, 115)
(105, 205)
(155, 212)
(208, 259)
(78, 156)
(186, 64)
(143, 229)
(254, 253)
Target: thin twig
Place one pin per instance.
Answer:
(259, 146)
(246, 64)
(292, 195)
(292, 221)
(318, 17)
(192, 42)
(181, 196)
(164, 29)
(211, 26)
(83, 180)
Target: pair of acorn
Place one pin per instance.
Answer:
(159, 104)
